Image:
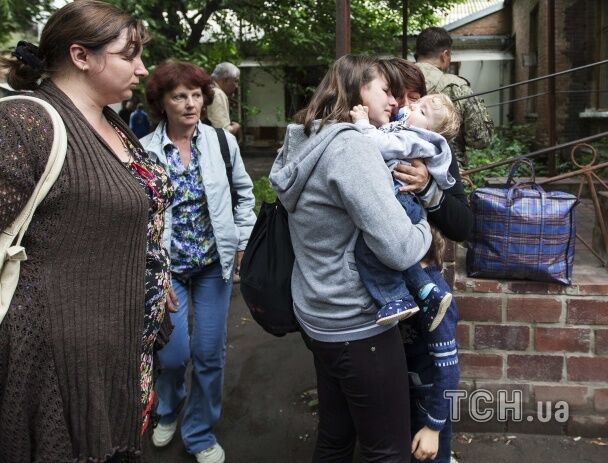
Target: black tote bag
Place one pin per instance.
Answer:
(266, 272)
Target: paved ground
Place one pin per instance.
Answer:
(258, 165)
(269, 410)
(266, 415)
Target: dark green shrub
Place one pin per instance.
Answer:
(263, 192)
(507, 142)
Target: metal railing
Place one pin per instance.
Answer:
(533, 154)
(536, 79)
(550, 107)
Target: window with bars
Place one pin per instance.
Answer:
(601, 96)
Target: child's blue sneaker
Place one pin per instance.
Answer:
(434, 306)
(396, 310)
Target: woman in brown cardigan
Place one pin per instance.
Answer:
(77, 342)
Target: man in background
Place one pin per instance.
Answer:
(139, 122)
(433, 57)
(126, 109)
(226, 79)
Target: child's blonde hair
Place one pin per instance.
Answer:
(449, 126)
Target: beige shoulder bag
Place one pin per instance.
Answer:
(11, 251)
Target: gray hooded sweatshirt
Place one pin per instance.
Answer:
(335, 185)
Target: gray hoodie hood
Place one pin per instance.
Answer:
(298, 157)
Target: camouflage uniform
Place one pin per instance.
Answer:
(476, 124)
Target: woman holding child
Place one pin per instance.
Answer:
(432, 356)
(418, 132)
(332, 180)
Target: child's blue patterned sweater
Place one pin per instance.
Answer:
(432, 359)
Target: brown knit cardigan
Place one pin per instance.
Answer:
(70, 344)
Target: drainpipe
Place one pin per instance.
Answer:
(551, 83)
(342, 28)
(405, 13)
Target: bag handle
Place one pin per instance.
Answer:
(51, 172)
(520, 185)
(515, 166)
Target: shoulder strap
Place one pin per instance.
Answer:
(49, 176)
(221, 136)
(11, 251)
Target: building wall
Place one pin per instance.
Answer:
(521, 11)
(575, 45)
(579, 27)
(488, 75)
(498, 23)
(265, 95)
(485, 74)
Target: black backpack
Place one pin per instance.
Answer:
(266, 272)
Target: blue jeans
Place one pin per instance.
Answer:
(418, 417)
(206, 347)
(383, 283)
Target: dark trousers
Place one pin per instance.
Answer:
(363, 393)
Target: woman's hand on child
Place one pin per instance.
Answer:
(359, 113)
(425, 444)
(416, 175)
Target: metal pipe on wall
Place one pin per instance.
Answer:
(342, 28)
(551, 84)
(405, 15)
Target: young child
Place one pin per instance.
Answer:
(402, 294)
(432, 361)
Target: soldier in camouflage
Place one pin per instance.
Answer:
(433, 57)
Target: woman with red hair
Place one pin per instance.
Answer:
(207, 230)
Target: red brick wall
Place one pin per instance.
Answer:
(548, 341)
(498, 23)
(576, 31)
(521, 27)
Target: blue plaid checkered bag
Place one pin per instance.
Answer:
(522, 232)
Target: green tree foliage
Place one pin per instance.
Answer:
(290, 32)
(19, 15)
